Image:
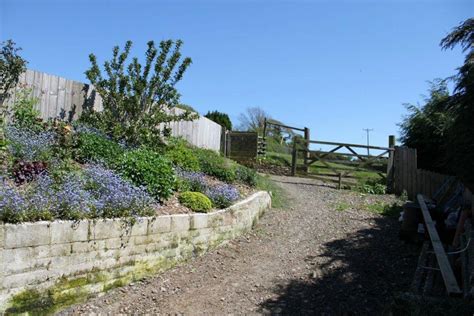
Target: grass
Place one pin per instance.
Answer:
(361, 177)
(279, 196)
(391, 210)
(342, 206)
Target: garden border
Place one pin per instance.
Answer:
(47, 265)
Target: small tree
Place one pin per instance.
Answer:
(12, 65)
(136, 98)
(220, 118)
(253, 119)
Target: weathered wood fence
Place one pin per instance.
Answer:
(64, 98)
(408, 178)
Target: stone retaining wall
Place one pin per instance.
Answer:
(46, 265)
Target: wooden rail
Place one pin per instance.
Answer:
(350, 145)
(362, 162)
(446, 271)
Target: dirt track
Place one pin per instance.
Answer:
(307, 259)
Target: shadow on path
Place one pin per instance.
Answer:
(355, 275)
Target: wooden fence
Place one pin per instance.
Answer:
(60, 97)
(408, 178)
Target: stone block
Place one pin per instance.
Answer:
(180, 222)
(115, 243)
(69, 231)
(109, 228)
(160, 224)
(140, 240)
(140, 228)
(21, 280)
(199, 221)
(2, 234)
(216, 219)
(27, 234)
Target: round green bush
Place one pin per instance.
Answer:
(147, 168)
(93, 147)
(196, 201)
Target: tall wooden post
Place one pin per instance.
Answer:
(390, 171)
(306, 144)
(293, 158)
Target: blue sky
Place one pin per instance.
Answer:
(334, 66)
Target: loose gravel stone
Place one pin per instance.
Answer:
(307, 259)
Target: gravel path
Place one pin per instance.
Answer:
(307, 259)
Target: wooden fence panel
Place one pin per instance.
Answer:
(60, 97)
(407, 176)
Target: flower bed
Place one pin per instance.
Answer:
(61, 171)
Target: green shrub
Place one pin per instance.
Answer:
(93, 147)
(196, 201)
(213, 164)
(373, 187)
(179, 153)
(24, 113)
(246, 175)
(148, 168)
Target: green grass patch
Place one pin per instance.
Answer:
(342, 206)
(279, 196)
(384, 209)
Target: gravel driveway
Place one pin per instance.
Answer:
(311, 258)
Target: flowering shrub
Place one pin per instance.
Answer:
(30, 145)
(222, 195)
(115, 196)
(191, 180)
(97, 193)
(83, 128)
(12, 203)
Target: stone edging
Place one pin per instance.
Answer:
(46, 265)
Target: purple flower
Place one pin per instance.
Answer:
(195, 181)
(222, 195)
(115, 195)
(98, 192)
(28, 144)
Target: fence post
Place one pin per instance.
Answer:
(340, 181)
(293, 158)
(390, 166)
(307, 153)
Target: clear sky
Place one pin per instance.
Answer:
(334, 66)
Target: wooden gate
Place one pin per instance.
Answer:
(342, 163)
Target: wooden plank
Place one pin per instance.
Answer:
(345, 144)
(405, 172)
(60, 108)
(284, 126)
(443, 262)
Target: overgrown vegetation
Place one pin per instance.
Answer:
(442, 130)
(114, 163)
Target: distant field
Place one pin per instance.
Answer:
(317, 168)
